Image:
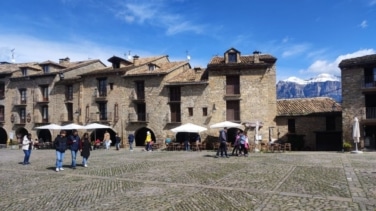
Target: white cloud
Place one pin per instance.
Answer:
(295, 50)
(372, 2)
(331, 67)
(25, 49)
(157, 13)
(285, 40)
(363, 24)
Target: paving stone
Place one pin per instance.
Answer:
(160, 180)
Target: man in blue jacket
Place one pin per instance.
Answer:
(60, 144)
(130, 141)
(74, 143)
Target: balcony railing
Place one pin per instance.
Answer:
(17, 101)
(39, 119)
(100, 117)
(369, 82)
(370, 113)
(138, 117)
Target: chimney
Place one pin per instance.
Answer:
(256, 56)
(136, 62)
(64, 61)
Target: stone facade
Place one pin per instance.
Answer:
(32, 99)
(358, 95)
(312, 122)
(203, 96)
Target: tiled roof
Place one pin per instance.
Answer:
(11, 67)
(163, 68)
(247, 59)
(189, 76)
(306, 106)
(363, 60)
(52, 63)
(141, 61)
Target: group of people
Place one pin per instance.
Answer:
(241, 144)
(75, 144)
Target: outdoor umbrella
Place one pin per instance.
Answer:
(227, 124)
(356, 134)
(189, 127)
(95, 126)
(50, 127)
(72, 126)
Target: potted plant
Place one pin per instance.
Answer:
(347, 146)
(13, 144)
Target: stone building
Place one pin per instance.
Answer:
(310, 123)
(359, 98)
(145, 94)
(30, 97)
(243, 89)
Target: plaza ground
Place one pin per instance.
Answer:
(165, 180)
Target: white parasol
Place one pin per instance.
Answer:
(356, 134)
(72, 126)
(49, 127)
(227, 124)
(189, 128)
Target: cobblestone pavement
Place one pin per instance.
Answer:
(161, 180)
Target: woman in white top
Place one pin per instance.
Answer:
(26, 147)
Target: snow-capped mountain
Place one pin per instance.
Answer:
(324, 85)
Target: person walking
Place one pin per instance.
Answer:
(222, 143)
(236, 144)
(74, 143)
(60, 144)
(147, 141)
(130, 141)
(107, 140)
(26, 147)
(117, 141)
(85, 148)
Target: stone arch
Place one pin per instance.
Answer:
(3, 136)
(99, 134)
(44, 135)
(140, 136)
(20, 133)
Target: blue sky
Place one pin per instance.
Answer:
(308, 37)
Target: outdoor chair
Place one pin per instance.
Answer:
(286, 147)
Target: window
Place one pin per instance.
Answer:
(205, 111)
(175, 112)
(70, 111)
(232, 58)
(24, 71)
(69, 92)
(116, 65)
(23, 96)
(46, 69)
(44, 90)
(103, 111)
(291, 125)
(152, 67)
(116, 112)
(141, 112)
(2, 114)
(190, 111)
(330, 123)
(45, 114)
(232, 110)
(2, 90)
(102, 87)
(140, 90)
(175, 93)
(22, 115)
(232, 84)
